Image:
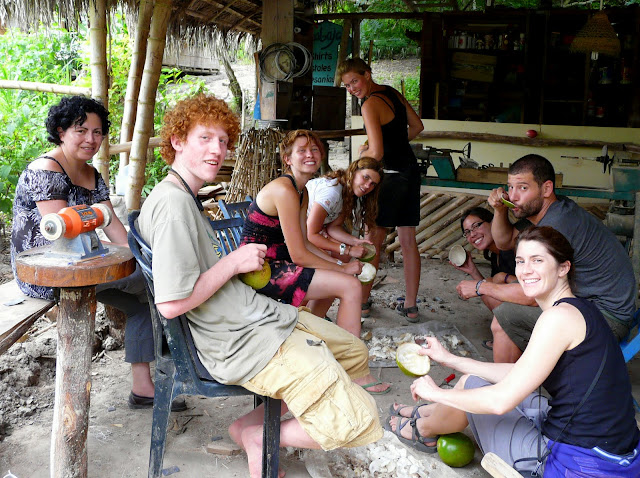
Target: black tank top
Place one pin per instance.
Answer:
(607, 418)
(398, 155)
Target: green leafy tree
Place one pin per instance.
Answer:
(57, 56)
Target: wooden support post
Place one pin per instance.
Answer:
(145, 9)
(99, 76)
(342, 53)
(355, 106)
(277, 27)
(76, 321)
(147, 101)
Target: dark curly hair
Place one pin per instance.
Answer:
(206, 110)
(368, 203)
(73, 110)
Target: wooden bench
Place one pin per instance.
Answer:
(16, 319)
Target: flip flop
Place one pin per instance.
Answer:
(395, 412)
(373, 384)
(488, 344)
(417, 441)
(408, 310)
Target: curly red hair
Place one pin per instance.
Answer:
(200, 109)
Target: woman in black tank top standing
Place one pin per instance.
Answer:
(391, 123)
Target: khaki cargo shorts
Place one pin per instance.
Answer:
(311, 373)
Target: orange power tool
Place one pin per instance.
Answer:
(72, 221)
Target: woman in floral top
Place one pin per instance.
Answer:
(60, 178)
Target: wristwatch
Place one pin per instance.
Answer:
(343, 248)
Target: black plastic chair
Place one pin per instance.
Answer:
(179, 371)
(235, 209)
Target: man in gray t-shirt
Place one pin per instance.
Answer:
(243, 337)
(603, 270)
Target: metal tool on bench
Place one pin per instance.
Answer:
(441, 160)
(72, 231)
(603, 158)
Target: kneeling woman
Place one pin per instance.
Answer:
(341, 202)
(587, 427)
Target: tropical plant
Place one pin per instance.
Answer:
(57, 56)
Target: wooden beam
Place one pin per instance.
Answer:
(411, 4)
(533, 142)
(237, 25)
(368, 16)
(45, 87)
(228, 8)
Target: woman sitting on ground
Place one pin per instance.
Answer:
(344, 201)
(299, 270)
(476, 228)
(587, 427)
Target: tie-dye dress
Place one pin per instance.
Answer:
(289, 283)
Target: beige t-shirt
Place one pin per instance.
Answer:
(236, 331)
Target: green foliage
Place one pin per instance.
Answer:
(60, 57)
(48, 57)
(389, 36)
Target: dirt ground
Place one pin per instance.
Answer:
(118, 443)
(118, 440)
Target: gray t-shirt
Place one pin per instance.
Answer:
(603, 271)
(236, 331)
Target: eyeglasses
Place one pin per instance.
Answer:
(474, 226)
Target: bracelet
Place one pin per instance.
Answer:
(505, 278)
(339, 262)
(478, 286)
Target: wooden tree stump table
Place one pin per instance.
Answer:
(76, 323)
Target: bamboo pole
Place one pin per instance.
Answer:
(146, 102)
(126, 147)
(99, 77)
(342, 52)
(44, 87)
(135, 77)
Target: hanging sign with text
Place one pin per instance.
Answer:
(326, 40)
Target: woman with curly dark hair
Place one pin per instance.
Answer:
(63, 177)
(343, 201)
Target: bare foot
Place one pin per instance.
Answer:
(407, 432)
(381, 387)
(252, 440)
(407, 410)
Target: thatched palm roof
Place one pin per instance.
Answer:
(190, 18)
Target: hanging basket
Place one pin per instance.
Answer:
(597, 35)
